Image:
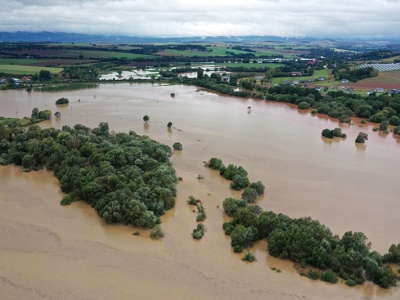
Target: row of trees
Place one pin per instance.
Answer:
(239, 180)
(126, 178)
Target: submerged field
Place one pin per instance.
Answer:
(345, 186)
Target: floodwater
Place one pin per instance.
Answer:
(53, 252)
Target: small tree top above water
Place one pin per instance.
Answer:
(62, 101)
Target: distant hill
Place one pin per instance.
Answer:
(65, 37)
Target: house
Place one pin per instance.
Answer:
(2, 80)
(296, 73)
(311, 80)
(379, 90)
(319, 88)
(321, 78)
(296, 82)
(345, 81)
(341, 87)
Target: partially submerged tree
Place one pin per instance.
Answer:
(361, 137)
(146, 118)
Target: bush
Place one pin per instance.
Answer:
(157, 232)
(303, 105)
(249, 194)
(361, 137)
(394, 121)
(338, 133)
(67, 200)
(351, 282)
(239, 182)
(329, 276)
(384, 126)
(258, 186)
(201, 217)
(62, 101)
(192, 200)
(215, 163)
(313, 274)
(231, 205)
(198, 233)
(327, 133)
(396, 130)
(177, 146)
(249, 256)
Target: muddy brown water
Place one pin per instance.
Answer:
(52, 252)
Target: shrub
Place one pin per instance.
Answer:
(177, 146)
(231, 205)
(198, 233)
(62, 101)
(192, 200)
(395, 121)
(239, 182)
(249, 256)
(157, 232)
(249, 194)
(329, 276)
(396, 130)
(258, 186)
(361, 137)
(327, 133)
(67, 200)
(303, 105)
(351, 282)
(201, 217)
(215, 163)
(384, 126)
(338, 132)
(313, 274)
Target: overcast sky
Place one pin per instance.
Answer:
(322, 18)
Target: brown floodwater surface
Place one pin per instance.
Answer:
(53, 252)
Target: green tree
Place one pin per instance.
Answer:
(157, 232)
(146, 118)
(361, 137)
(169, 125)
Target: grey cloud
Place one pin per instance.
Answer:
(206, 17)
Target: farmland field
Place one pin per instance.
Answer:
(26, 70)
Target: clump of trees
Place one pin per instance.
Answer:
(239, 179)
(354, 74)
(307, 242)
(201, 212)
(62, 101)
(40, 115)
(125, 177)
(337, 132)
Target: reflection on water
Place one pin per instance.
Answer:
(345, 185)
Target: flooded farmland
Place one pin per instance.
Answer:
(53, 252)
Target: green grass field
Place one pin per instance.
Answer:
(16, 61)
(26, 70)
(317, 74)
(103, 54)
